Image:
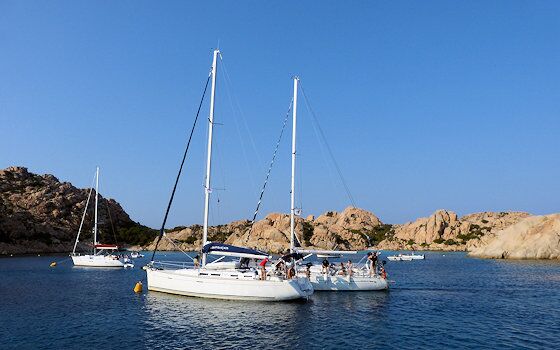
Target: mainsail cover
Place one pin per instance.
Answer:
(231, 250)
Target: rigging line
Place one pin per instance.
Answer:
(161, 231)
(238, 111)
(178, 247)
(250, 150)
(84, 215)
(328, 164)
(346, 188)
(243, 119)
(270, 166)
(111, 221)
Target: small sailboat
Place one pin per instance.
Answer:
(103, 255)
(359, 278)
(223, 280)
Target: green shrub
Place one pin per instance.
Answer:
(307, 232)
(341, 241)
(136, 234)
(188, 240)
(438, 240)
(377, 234)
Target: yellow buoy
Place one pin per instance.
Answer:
(138, 287)
(53, 264)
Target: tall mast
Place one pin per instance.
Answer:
(96, 200)
(207, 188)
(292, 192)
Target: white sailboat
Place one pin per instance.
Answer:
(223, 280)
(104, 255)
(358, 279)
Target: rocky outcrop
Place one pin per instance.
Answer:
(350, 229)
(353, 229)
(38, 213)
(535, 237)
(443, 230)
(190, 238)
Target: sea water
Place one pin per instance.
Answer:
(446, 301)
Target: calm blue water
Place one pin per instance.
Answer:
(446, 301)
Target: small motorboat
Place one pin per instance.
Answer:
(405, 257)
(417, 256)
(127, 262)
(135, 255)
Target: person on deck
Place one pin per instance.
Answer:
(196, 261)
(372, 262)
(325, 266)
(350, 267)
(263, 268)
(382, 272)
(342, 271)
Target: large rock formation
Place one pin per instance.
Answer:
(536, 237)
(38, 213)
(353, 228)
(443, 230)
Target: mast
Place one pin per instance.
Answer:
(292, 192)
(207, 188)
(96, 200)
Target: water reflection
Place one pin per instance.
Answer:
(178, 321)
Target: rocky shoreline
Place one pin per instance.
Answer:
(358, 229)
(40, 214)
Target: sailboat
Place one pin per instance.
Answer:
(103, 255)
(324, 279)
(223, 280)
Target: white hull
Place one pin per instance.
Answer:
(321, 282)
(405, 257)
(226, 284)
(417, 257)
(359, 281)
(96, 261)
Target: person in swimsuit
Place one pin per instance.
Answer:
(263, 268)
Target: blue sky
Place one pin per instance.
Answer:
(427, 105)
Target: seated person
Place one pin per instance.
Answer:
(342, 270)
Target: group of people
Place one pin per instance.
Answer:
(286, 266)
(374, 266)
(342, 269)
